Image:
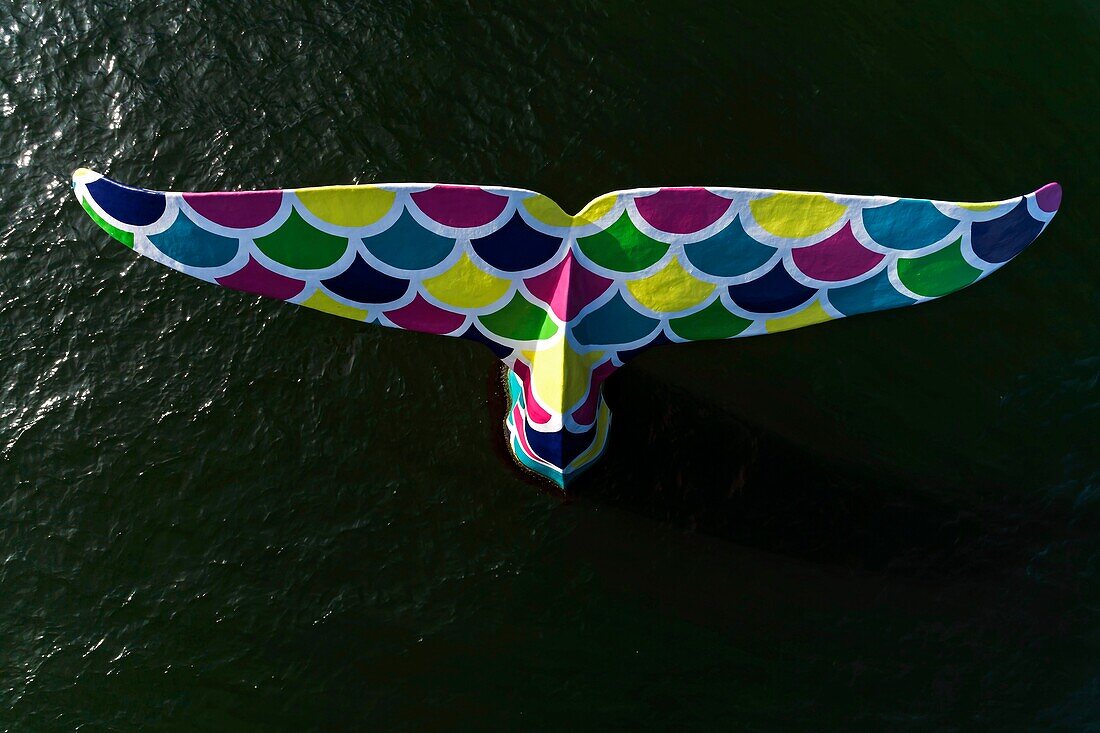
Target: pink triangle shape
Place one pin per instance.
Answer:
(567, 288)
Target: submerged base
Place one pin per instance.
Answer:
(559, 455)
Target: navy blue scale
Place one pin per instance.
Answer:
(516, 246)
(1005, 237)
(472, 334)
(364, 284)
(134, 206)
(559, 448)
(772, 293)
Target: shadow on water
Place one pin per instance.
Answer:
(675, 459)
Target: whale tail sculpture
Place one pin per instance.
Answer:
(565, 300)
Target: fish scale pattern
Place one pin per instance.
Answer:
(565, 300)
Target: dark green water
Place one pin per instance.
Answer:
(222, 514)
